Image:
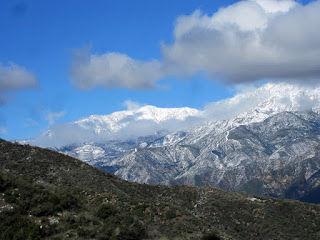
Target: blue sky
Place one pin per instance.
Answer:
(41, 37)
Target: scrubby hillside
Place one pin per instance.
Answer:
(45, 194)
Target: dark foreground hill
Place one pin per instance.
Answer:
(44, 194)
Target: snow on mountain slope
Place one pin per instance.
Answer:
(246, 108)
(287, 143)
(118, 120)
(121, 126)
(258, 104)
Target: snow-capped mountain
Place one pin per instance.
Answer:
(119, 120)
(234, 152)
(276, 157)
(246, 108)
(233, 144)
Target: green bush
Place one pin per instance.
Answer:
(105, 211)
(211, 236)
(15, 226)
(68, 200)
(10, 198)
(45, 209)
(171, 213)
(125, 229)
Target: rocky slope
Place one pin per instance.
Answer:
(273, 157)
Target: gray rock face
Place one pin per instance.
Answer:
(96, 153)
(277, 157)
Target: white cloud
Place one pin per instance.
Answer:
(14, 78)
(275, 6)
(244, 42)
(113, 70)
(51, 117)
(131, 105)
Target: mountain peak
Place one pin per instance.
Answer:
(147, 112)
(258, 104)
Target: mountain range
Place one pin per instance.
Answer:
(262, 141)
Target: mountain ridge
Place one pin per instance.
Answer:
(147, 112)
(230, 159)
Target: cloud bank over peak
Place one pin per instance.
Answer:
(244, 42)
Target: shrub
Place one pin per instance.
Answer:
(171, 213)
(211, 236)
(15, 226)
(105, 211)
(68, 200)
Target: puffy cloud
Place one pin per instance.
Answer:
(249, 41)
(14, 78)
(244, 42)
(51, 117)
(274, 6)
(113, 70)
